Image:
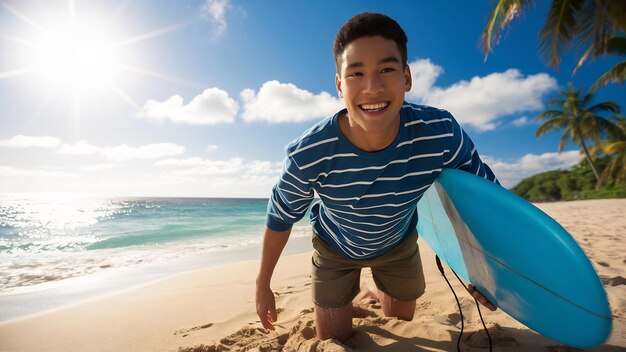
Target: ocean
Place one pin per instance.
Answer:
(48, 239)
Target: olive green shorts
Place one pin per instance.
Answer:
(336, 279)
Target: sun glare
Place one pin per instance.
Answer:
(75, 56)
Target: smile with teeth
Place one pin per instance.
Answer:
(374, 107)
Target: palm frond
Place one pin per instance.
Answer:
(617, 14)
(594, 26)
(554, 124)
(556, 101)
(549, 114)
(559, 29)
(614, 147)
(498, 19)
(605, 106)
(567, 134)
(582, 60)
(616, 74)
(616, 46)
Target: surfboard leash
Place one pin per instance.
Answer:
(458, 341)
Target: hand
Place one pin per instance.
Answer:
(266, 307)
(480, 298)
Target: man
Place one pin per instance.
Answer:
(369, 163)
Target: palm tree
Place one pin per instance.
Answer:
(616, 146)
(580, 121)
(591, 22)
(617, 74)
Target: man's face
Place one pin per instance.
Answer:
(372, 82)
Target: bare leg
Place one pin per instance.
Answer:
(334, 323)
(392, 307)
(365, 294)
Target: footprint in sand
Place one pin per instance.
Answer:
(499, 337)
(185, 332)
(425, 304)
(306, 311)
(612, 281)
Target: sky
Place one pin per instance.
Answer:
(199, 98)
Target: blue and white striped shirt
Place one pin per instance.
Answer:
(368, 200)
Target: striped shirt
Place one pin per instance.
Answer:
(368, 200)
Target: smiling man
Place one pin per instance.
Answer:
(370, 164)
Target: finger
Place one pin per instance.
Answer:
(262, 312)
(488, 304)
(477, 295)
(481, 298)
(270, 323)
(273, 314)
(267, 323)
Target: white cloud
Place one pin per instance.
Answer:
(146, 152)
(203, 167)
(235, 175)
(215, 10)
(115, 153)
(211, 107)
(194, 161)
(20, 141)
(124, 152)
(522, 121)
(101, 167)
(482, 101)
(510, 174)
(211, 148)
(259, 168)
(79, 148)
(284, 102)
(10, 171)
(257, 179)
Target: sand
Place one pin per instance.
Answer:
(213, 309)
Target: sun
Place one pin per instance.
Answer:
(76, 55)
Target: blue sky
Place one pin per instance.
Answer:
(198, 98)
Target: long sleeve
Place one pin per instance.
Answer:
(290, 199)
(463, 155)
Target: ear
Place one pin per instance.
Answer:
(408, 78)
(338, 85)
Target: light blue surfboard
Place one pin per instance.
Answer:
(517, 256)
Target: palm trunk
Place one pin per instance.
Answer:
(593, 167)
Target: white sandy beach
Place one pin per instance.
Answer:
(213, 309)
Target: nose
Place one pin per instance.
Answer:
(373, 85)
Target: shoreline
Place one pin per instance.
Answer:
(23, 302)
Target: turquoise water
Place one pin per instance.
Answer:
(49, 238)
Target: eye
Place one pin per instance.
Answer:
(387, 69)
(354, 74)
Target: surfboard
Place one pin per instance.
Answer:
(521, 259)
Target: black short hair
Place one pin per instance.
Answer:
(369, 24)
